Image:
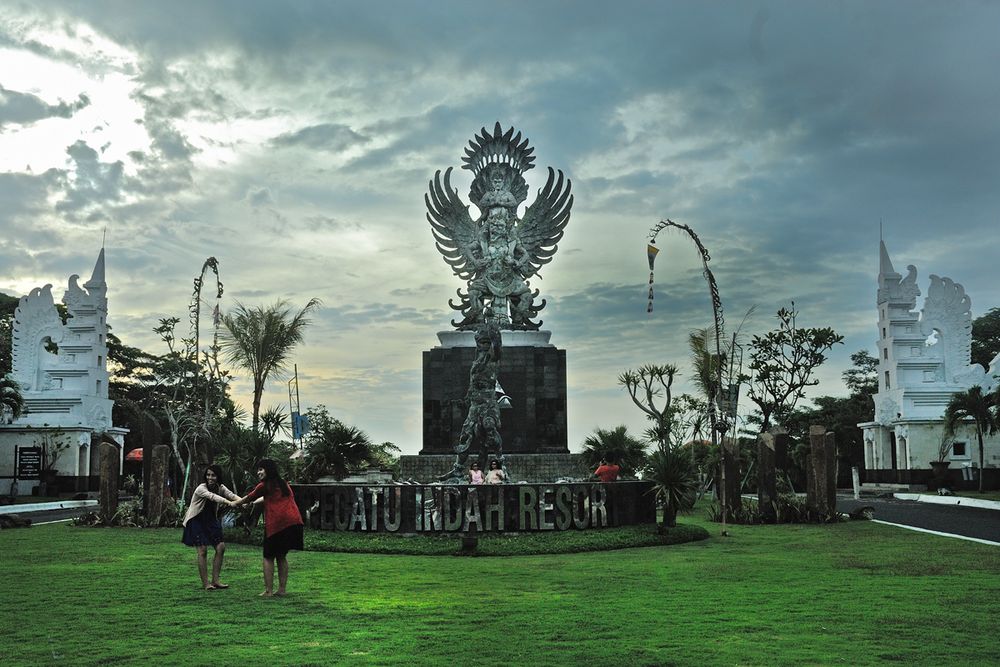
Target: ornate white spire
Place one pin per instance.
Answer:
(97, 277)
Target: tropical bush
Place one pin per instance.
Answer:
(615, 445)
(674, 483)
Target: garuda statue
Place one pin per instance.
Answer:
(498, 252)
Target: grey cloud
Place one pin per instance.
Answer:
(94, 182)
(259, 197)
(25, 108)
(327, 136)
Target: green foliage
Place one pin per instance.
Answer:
(8, 304)
(861, 378)
(647, 384)
(986, 337)
(615, 445)
(789, 508)
(782, 362)
(11, 401)
(335, 448)
(130, 515)
(260, 341)
(979, 408)
(674, 480)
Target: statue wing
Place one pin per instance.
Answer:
(544, 222)
(455, 232)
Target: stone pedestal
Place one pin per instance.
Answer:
(532, 373)
(532, 468)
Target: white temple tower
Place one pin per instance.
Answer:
(62, 372)
(924, 360)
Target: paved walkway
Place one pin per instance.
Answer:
(27, 508)
(978, 523)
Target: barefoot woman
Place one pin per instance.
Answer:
(201, 524)
(282, 523)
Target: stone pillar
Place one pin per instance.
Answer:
(767, 487)
(821, 473)
(830, 464)
(110, 465)
(157, 483)
(733, 500)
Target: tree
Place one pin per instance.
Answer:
(333, 447)
(8, 304)
(839, 414)
(782, 362)
(986, 337)
(653, 381)
(862, 378)
(981, 409)
(260, 340)
(615, 445)
(11, 400)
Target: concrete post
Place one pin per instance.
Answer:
(110, 464)
(157, 484)
(767, 488)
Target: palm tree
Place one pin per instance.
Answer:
(674, 483)
(978, 407)
(615, 445)
(334, 448)
(10, 397)
(260, 340)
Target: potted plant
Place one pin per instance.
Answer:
(52, 445)
(940, 466)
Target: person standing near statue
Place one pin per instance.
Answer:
(202, 528)
(475, 474)
(607, 472)
(282, 524)
(496, 474)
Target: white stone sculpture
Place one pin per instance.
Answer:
(62, 373)
(924, 360)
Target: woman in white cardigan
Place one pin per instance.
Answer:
(202, 527)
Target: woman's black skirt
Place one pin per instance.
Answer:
(284, 541)
(203, 530)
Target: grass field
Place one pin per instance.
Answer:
(854, 593)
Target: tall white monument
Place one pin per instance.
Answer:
(924, 360)
(62, 372)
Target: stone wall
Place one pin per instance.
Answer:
(400, 508)
(533, 377)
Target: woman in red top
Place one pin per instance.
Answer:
(282, 523)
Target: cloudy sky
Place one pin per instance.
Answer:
(294, 142)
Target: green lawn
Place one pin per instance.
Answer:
(848, 594)
(985, 495)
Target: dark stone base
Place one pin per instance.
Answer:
(533, 376)
(533, 468)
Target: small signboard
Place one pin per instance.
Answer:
(300, 425)
(29, 462)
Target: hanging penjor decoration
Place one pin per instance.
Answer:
(651, 251)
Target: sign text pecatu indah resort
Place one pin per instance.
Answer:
(454, 508)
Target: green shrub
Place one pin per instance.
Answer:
(506, 544)
(789, 508)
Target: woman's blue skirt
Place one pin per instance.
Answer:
(203, 530)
